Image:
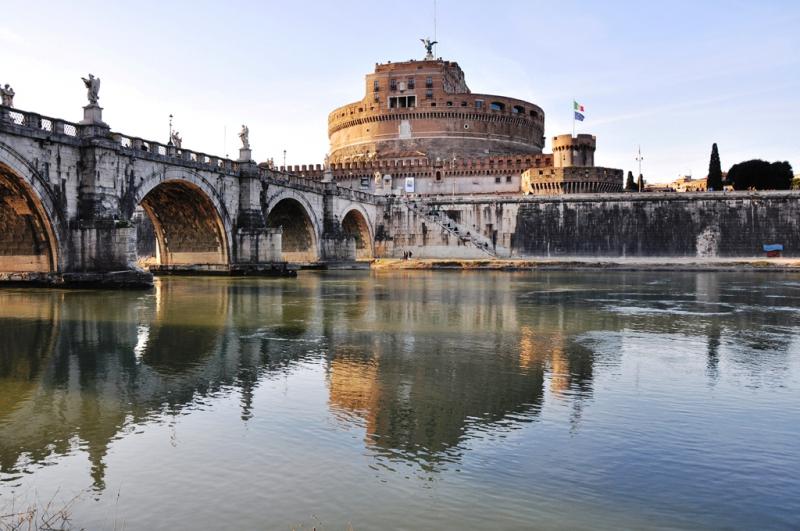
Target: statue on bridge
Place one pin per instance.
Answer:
(429, 48)
(7, 94)
(176, 139)
(92, 88)
(244, 135)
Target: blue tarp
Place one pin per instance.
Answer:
(773, 247)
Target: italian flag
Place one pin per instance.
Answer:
(578, 106)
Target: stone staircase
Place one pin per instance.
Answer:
(467, 235)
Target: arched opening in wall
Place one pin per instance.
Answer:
(354, 224)
(187, 229)
(298, 240)
(27, 240)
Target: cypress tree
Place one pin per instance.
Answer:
(714, 181)
(640, 183)
(630, 184)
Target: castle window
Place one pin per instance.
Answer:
(518, 109)
(534, 115)
(411, 83)
(479, 104)
(438, 176)
(497, 180)
(392, 84)
(376, 86)
(428, 94)
(428, 82)
(449, 103)
(463, 103)
(402, 102)
(508, 178)
(497, 106)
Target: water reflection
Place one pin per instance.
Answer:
(422, 363)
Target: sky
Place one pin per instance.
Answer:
(671, 77)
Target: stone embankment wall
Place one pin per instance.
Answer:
(723, 224)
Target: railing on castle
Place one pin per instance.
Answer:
(35, 121)
(496, 163)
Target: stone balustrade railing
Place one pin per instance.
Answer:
(35, 121)
(166, 150)
(38, 122)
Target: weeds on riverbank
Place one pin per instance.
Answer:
(51, 516)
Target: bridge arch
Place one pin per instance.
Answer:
(355, 223)
(31, 227)
(191, 224)
(301, 228)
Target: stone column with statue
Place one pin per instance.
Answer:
(245, 154)
(93, 113)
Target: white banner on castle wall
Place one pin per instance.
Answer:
(409, 185)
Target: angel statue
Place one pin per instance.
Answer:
(176, 139)
(244, 135)
(92, 88)
(8, 95)
(429, 48)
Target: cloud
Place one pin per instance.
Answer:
(9, 37)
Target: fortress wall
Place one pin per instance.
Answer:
(732, 224)
(409, 230)
(694, 225)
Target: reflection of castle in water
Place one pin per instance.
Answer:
(427, 386)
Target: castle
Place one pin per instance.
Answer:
(420, 130)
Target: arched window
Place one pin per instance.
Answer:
(518, 109)
(497, 106)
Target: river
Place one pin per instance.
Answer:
(406, 400)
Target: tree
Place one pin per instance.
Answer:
(761, 175)
(630, 184)
(640, 183)
(714, 181)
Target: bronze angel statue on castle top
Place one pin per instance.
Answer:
(429, 47)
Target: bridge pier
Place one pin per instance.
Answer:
(336, 246)
(102, 246)
(257, 247)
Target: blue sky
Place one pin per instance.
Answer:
(673, 77)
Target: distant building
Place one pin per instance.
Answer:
(420, 130)
(685, 183)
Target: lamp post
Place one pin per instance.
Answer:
(639, 159)
(170, 130)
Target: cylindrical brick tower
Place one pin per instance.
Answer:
(424, 109)
(569, 151)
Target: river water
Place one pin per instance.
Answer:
(407, 400)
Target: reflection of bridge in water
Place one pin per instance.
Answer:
(405, 355)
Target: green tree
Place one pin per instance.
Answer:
(714, 181)
(761, 175)
(630, 184)
(640, 183)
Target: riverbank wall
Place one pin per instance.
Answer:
(637, 225)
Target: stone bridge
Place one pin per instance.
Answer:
(73, 195)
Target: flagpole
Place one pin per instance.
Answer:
(573, 116)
